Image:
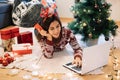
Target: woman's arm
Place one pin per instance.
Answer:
(47, 48)
(46, 44)
(77, 49)
(74, 44)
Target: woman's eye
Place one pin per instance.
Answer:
(51, 28)
(57, 26)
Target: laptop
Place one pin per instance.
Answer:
(93, 57)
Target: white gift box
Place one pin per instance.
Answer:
(21, 49)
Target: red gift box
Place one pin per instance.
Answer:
(25, 37)
(9, 32)
(22, 49)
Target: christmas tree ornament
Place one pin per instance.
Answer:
(84, 24)
(90, 35)
(106, 38)
(96, 6)
(104, 5)
(73, 12)
(93, 29)
(99, 10)
(1, 59)
(80, 28)
(75, 16)
(6, 59)
(84, 10)
(93, 19)
(77, 12)
(98, 21)
(89, 11)
(109, 18)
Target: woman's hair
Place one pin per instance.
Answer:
(45, 24)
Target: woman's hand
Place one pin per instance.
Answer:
(49, 37)
(77, 61)
(44, 33)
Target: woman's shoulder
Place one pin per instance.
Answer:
(65, 29)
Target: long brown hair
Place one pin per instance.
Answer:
(45, 23)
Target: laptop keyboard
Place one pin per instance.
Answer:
(76, 68)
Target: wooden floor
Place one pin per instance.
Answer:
(4, 73)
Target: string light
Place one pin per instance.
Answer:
(115, 75)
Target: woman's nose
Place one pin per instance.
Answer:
(56, 30)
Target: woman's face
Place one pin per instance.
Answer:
(54, 29)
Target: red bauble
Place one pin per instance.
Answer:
(1, 60)
(12, 59)
(5, 62)
(96, 6)
(6, 54)
(8, 58)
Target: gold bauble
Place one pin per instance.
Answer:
(109, 19)
(84, 24)
(90, 35)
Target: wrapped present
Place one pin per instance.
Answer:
(9, 32)
(25, 37)
(22, 49)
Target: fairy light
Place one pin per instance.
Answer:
(35, 67)
(115, 75)
(27, 77)
(35, 73)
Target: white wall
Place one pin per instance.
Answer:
(64, 8)
(65, 5)
(115, 14)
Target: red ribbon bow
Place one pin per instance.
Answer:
(48, 10)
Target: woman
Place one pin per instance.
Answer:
(53, 37)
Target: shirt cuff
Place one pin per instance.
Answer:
(78, 56)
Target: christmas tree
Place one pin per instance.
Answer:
(92, 18)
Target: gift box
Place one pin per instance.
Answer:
(22, 49)
(25, 37)
(7, 44)
(9, 32)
